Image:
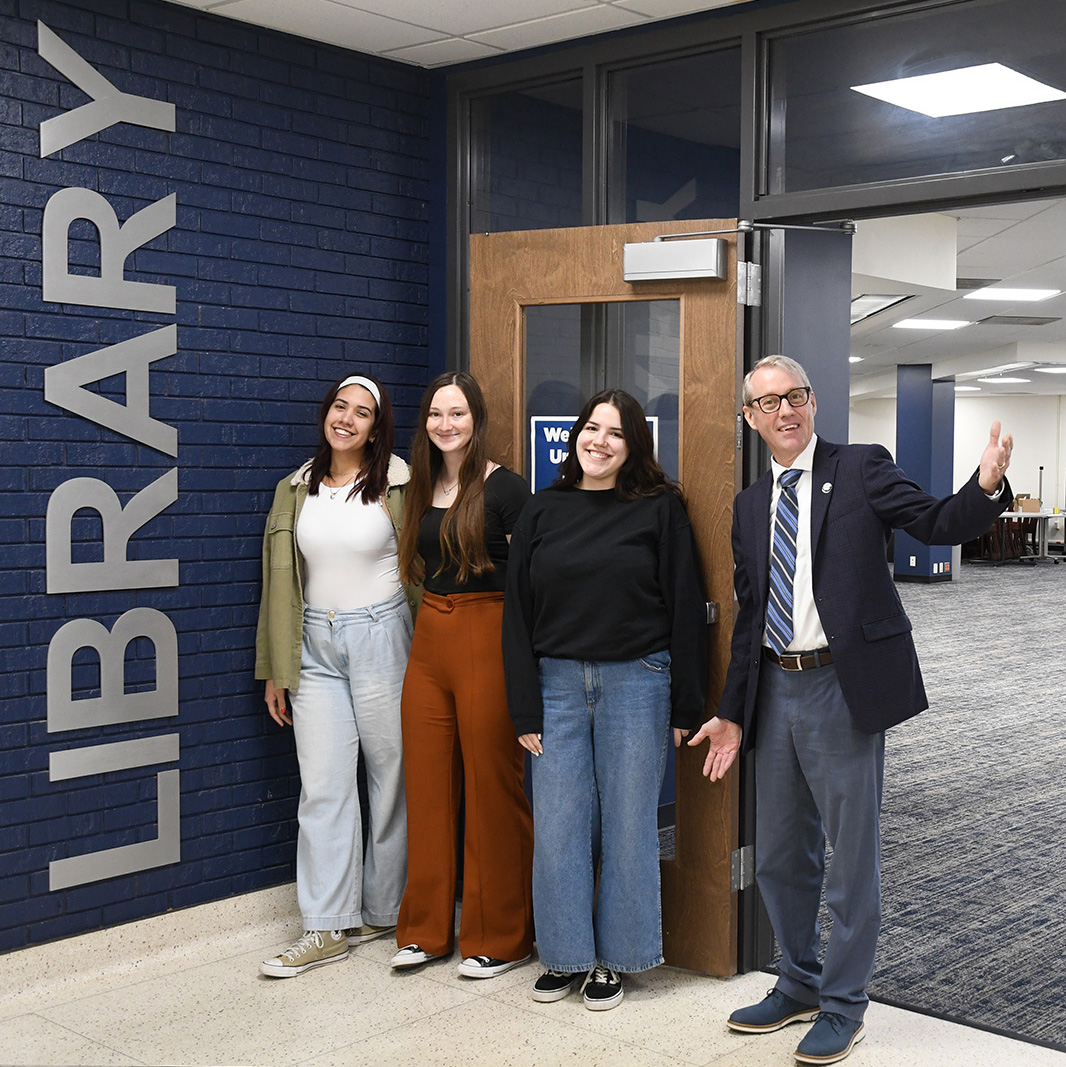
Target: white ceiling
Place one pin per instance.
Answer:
(1017, 245)
(435, 33)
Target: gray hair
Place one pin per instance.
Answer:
(785, 362)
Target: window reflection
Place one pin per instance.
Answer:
(823, 133)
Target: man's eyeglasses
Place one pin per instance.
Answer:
(769, 403)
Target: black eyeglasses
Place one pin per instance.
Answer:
(796, 398)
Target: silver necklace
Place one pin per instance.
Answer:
(333, 492)
(448, 492)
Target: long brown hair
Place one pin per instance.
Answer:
(641, 474)
(462, 531)
(373, 478)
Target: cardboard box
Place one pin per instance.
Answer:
(1029, 504)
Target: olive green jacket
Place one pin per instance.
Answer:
(279, 636)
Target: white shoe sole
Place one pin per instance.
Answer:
(605, 1005)
(836, 1057)
(277, 970)
(550, 996)
(472, 970)
(769, 1028)
(402, 961)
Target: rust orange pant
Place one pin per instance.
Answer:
(456, 729)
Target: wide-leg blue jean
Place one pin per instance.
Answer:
(347, 707)
(606, 728)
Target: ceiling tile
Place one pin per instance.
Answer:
(332, 23)
(666, 9)
(596, 19)
(463, 17)
(441, 53)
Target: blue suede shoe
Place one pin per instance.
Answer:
(776, 1011)
(830, 1039)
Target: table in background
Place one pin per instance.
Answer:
(1005, 541)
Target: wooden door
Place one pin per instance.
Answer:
(512, 273)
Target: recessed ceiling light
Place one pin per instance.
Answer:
(1013, 295)
(967, 388)
(858, 359)
(1006, 381)
(986, 87)
(1059, 369)
(930, 324)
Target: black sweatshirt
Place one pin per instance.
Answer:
(592, 577)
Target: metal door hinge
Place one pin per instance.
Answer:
(742, 868)
(749, 284)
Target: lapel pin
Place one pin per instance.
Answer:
(827, 487)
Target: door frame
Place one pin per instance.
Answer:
(512, 271)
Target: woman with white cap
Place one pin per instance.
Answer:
(334, 633)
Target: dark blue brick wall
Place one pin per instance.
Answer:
(309, 187)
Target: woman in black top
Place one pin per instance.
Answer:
(459, 513)
(605, 647)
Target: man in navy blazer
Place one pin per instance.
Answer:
(816, 711)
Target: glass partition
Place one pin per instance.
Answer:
(675, 141)
(575, 350)
(824, 132)
(526, 158)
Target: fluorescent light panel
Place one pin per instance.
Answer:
(965, 91)
(1013, 295)
(967, 388)
(1049, 369)
(930, 324)
(1006, 381)
(862, 307)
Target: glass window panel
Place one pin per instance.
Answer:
(675, 151)
(823, 133)
(526, 153)
(575, 350)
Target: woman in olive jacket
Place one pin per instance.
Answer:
(334, 633)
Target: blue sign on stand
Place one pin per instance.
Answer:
(549, 441)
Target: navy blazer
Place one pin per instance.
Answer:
(858, 497)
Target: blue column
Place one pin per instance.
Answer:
(815, 320)
(925, 448)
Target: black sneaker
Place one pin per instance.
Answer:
(602, 989)
(554, 985)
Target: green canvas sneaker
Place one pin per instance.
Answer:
(315, 948)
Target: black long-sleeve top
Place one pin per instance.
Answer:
(505, 495)
(593, 577)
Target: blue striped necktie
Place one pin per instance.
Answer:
(783, 564)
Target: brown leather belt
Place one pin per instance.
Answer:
(800, 661)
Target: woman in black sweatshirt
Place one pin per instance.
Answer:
(605, 648)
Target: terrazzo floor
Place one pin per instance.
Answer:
(185, 988)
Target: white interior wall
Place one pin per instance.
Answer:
(1037, 422)
(873, 422)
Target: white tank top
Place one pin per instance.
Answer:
(348, 550)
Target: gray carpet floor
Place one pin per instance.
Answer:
(975, 804)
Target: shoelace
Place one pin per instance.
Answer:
(310, 938)
(835, 1020)
(602, 976)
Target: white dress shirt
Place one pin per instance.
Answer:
(807, 632)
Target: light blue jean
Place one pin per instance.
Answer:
(606, 728)
(347, 703)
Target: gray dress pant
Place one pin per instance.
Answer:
(818, 776)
